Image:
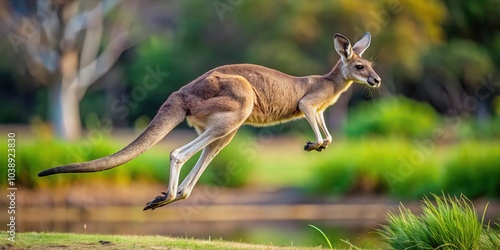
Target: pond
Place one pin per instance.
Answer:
(269, 230)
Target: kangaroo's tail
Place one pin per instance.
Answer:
(171, 113)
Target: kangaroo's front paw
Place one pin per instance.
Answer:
(310, 146)
(159, 201)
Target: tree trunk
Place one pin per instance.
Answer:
(64, 111)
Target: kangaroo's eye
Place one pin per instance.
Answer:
(359, 67)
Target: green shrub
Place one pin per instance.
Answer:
(402, 169)
(371, 165)
(227, 169)
(473, 169)
(450, 224)
(398, 116)
(375, 166)
(232, 166)
(486, 129)
(333, 179)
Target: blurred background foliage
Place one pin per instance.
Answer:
(430, 51)
(439, 61)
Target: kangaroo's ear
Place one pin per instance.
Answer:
(362, 44)
(343, 46)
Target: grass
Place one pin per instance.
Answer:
(94, 241)
(450, 224)
(323, 234)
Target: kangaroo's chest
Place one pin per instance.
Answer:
(332, 99)
(329, 102)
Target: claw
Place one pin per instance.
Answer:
(156, 203)
(313, 146)
(160, 201)
(321, 148)
(306, 147)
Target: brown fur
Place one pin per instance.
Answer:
(217, 103)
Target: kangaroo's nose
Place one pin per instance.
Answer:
(374, 81)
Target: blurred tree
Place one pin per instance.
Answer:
(67, 45)
(459, 75)
(161, 53)
(434, 51)
(296, 37)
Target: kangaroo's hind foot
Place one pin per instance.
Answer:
(159, 201)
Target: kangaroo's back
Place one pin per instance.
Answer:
(276, 94)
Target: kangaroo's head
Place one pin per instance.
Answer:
(353, 67)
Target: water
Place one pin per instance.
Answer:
(296, 233)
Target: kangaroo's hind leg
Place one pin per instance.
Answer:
(207, 155)
(179, 156)
(226, 113)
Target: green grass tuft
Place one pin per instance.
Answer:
(324, 235)
(452, 223)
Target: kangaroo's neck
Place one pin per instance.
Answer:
(337, 77)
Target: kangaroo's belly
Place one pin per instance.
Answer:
(274, 104)
(263, 119)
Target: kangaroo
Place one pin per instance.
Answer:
(223, 99)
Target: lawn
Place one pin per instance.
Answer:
(96, 241)
(447, 223)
